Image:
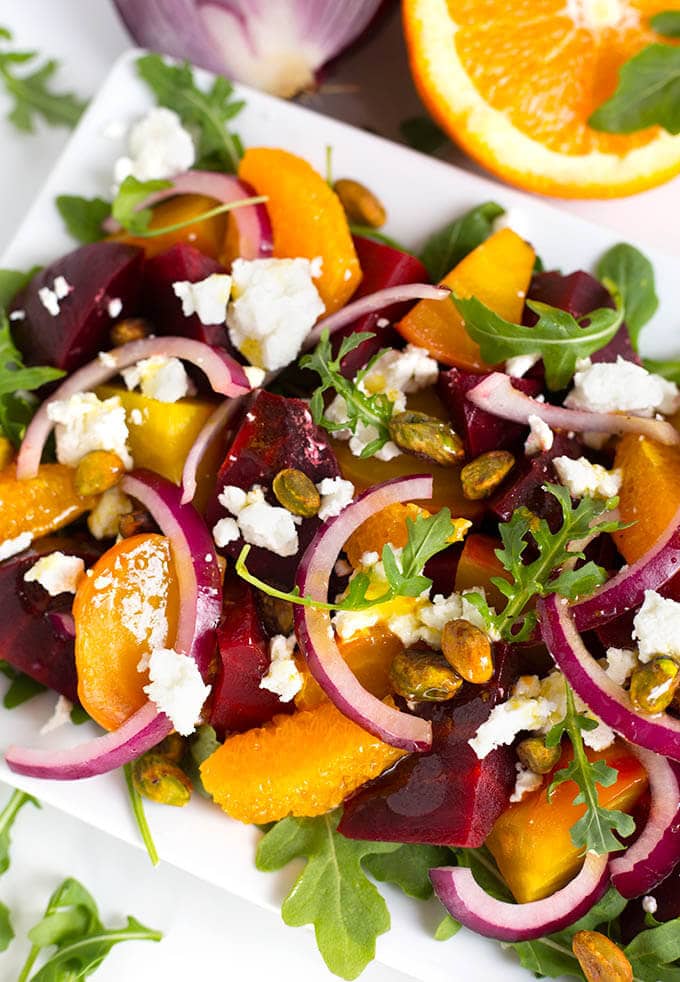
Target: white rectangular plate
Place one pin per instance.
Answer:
(420, 194)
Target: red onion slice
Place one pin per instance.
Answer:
(212, 426)
(496, 395)
(465, 900)
(255, 237)
(315, 632)
(225, 375)
(656, 852)
(603, 696)
(627, 589)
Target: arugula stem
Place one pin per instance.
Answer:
(588, 788)
(13, 806)
(140, 816)
(212, 213)
(30, 961)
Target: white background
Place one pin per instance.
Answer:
(207, 932)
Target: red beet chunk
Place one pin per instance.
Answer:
(163, 308)
(479, 430)
(238, 702)
(446, 796)
(32, 640)
(526, 489)
(276, 433)
(97, 273)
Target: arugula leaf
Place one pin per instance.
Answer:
(449, 245)
(557, 336)
(6, 929)
(203, 743)
(83, 217)
(332, 892)
(447, 928)
(31, 93)
(15, 379)
(667, 22)
(408, 867)
(648, 93)
(140, 815)
(422, 133)
(366, 232)
(7, 818)
(654, 948)
(206, 114)
(12, 281)
(20, 690)
(633, 276)
(668, 369)
(126, 205)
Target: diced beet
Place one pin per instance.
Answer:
(617, 633)
(32, 641)
(441, 569)
(526, 488)
(446, 796)
(97, 274)
(238, 702)
(481, 431)
(163, 308)
(667, 896)
(276, 433)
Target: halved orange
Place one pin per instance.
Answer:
(515, 84)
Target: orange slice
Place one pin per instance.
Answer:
(650, 492)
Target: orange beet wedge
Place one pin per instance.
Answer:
(41, 504)
(650, 492)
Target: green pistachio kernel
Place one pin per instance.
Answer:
(296, 492)
(534, 754)
(427, 437)
(159, 779)
(485, 473)
(652, 686)
(424, 675)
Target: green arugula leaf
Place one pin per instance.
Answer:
(21, 689)
(6, 929)
(206, 114)
(633, 276)
(15, 409)
(7, 818)
(422, 133)
(668, 369)
(332, 892)
(83, 217)
(449, 245)
(447, 928)
(12, 281)
(653, 952)
(202, 745)
(408, 867)
(367, 232)
(126, 205)
(647, 94)
(31, 93)
(558, 337)
(667, 23)
(140, 815)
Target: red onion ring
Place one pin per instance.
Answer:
(255, 237)
(212, 426)
(656, 852)
(315, 632)
(465, 900)
(496, 395)
(603, 696)
(225, 375)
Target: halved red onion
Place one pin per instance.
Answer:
(225, 375)
(212, 426)
(496, 395)
(604, 697)
(200, 604)
(656, 851)
(255, 239)
(465, 900)
(627, 589)
(315, 632)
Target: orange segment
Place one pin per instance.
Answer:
(307, 219)
(387, 525)
(515, 84)
(650, 492)
(207, 236)
(41, 504)
(497, 272)
(127, 606)
(304, 764)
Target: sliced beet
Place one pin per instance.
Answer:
(276, 433)
(479, 430)
(97, 274)
(33, 640)
(446, 796)
(238, 702)
(526, 488)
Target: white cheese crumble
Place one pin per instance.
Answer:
(17, 315)
(85, 423)
(583, 478)
(60, 715)
(177, 688)
(540, 437)
(656, 627)
(283, 677)
(649, 905)
(207, 298)
(158, 148)
(336, 494)
(274, 306)
(114, 307)
(61, 287)
(519, 365)
(226, 530)
(526, 782)
(57, 573)
(158, 377)
(255, 376)
(621, 387)
(136, 416)
(260, 523)
(10, 547)
(104, 518)
(50, 298)
(620, 664)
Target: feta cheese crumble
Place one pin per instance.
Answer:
(50, 298)
(283, 677)
(526, 782)
(649, 905)
(104, 518)
(60, 715)
(158, 148)
(57, 573)
(226, 530)
(85, 423)
(207, 298)
(621, 387)
(583, 478)
(656, 627)
(620, 664)
(114, 307)
(158, 377)
(274, 306)
(519, 365)
(177, 688)
(336, 494)
(540, 437)
(255, 376)
(260, 523)
(10, 547)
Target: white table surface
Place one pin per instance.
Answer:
(208, 933)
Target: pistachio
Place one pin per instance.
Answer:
(277, 614)
(160, 779)
(172, 748)
(360, 204)
(6, 452)
(600, 959)
(426, 436)
(482, 476)
(135, 522)
(468, 650)
(652, 686)
(423, 675)
(130, 329)
(97, 471)
(296, 492)
(534, 754)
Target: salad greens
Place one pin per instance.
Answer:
(648, 92)
(140, 816)
(8, 816)
(667, 22)
(83, 217)
(454, 241)
(422, 133)
(633, 276)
